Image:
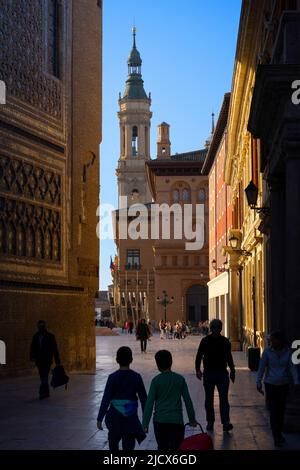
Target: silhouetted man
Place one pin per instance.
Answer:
(215, 350)
(43, 348)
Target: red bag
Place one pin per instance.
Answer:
(201, 441)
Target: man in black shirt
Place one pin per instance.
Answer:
(215, 351)
(43, 348)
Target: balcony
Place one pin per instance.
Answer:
(133, 267)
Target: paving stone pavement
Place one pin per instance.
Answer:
(67, 420)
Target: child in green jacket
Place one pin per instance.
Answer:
(166, 391)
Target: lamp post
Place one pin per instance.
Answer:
(252, 194)
(165, 301)
(222, 269)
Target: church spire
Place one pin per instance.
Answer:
(134, 34)
(212, 123)
(134, 83)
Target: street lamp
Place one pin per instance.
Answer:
(222, 269)
(252, 195)
(165, 301)
(233, 241)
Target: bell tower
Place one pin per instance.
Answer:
(163, 142)
(135, 120)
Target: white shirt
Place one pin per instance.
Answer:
(276, 367)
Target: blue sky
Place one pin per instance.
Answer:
(188, 49)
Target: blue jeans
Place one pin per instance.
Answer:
(221, 381)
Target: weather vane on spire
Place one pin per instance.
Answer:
(134, 34)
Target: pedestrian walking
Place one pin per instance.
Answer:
(119, 404)
(130, 327)
(162, 328)
(166, 392)
(277, 370)
(143, 334)
(42, 350)
(215, 351)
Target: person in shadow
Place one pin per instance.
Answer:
(278, 371)
(143, 334)
(119, 404)
(43, 349)
(215, 351)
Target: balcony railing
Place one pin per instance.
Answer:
(133, 267)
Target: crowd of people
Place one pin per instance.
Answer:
(124, 387)
(164, 400)
(176, 330)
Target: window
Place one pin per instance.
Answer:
(123, 141)
(164, 261)
(133, 259)
(134, 141)
(197, 260)
(186, 196)
(174, 260)
(175, 195)
(201, 195)
(185, 261)
(53, 38)
(135, 194)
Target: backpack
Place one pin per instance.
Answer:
(59, 377)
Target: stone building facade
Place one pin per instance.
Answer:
(268, 33)
(50, 131)
(133, 273)
(181, 272)
(144, 267)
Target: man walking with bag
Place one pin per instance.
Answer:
(43, 348)
(215, 351)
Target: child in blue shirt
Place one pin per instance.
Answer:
(120, 403)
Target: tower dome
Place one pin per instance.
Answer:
(134, 84)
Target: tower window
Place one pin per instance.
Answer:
(135, 194)
(175, 195)
(134, 141)
(186, 195)
(201, 195)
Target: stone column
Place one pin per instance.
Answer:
(277, 253)
(292, 248)
(141, 134)
(291, 315)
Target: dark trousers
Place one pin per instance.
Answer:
(221, 381)
(44, 370)
(128, 442)
(168, 436)
(143, 344)
(276, 398)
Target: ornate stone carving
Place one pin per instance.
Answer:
(28, 229)
(30, 181)
(22, 56)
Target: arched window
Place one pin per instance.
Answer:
(201, 195)
(186, 195)
(134, 141)
(175, 195)
(135, 194)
